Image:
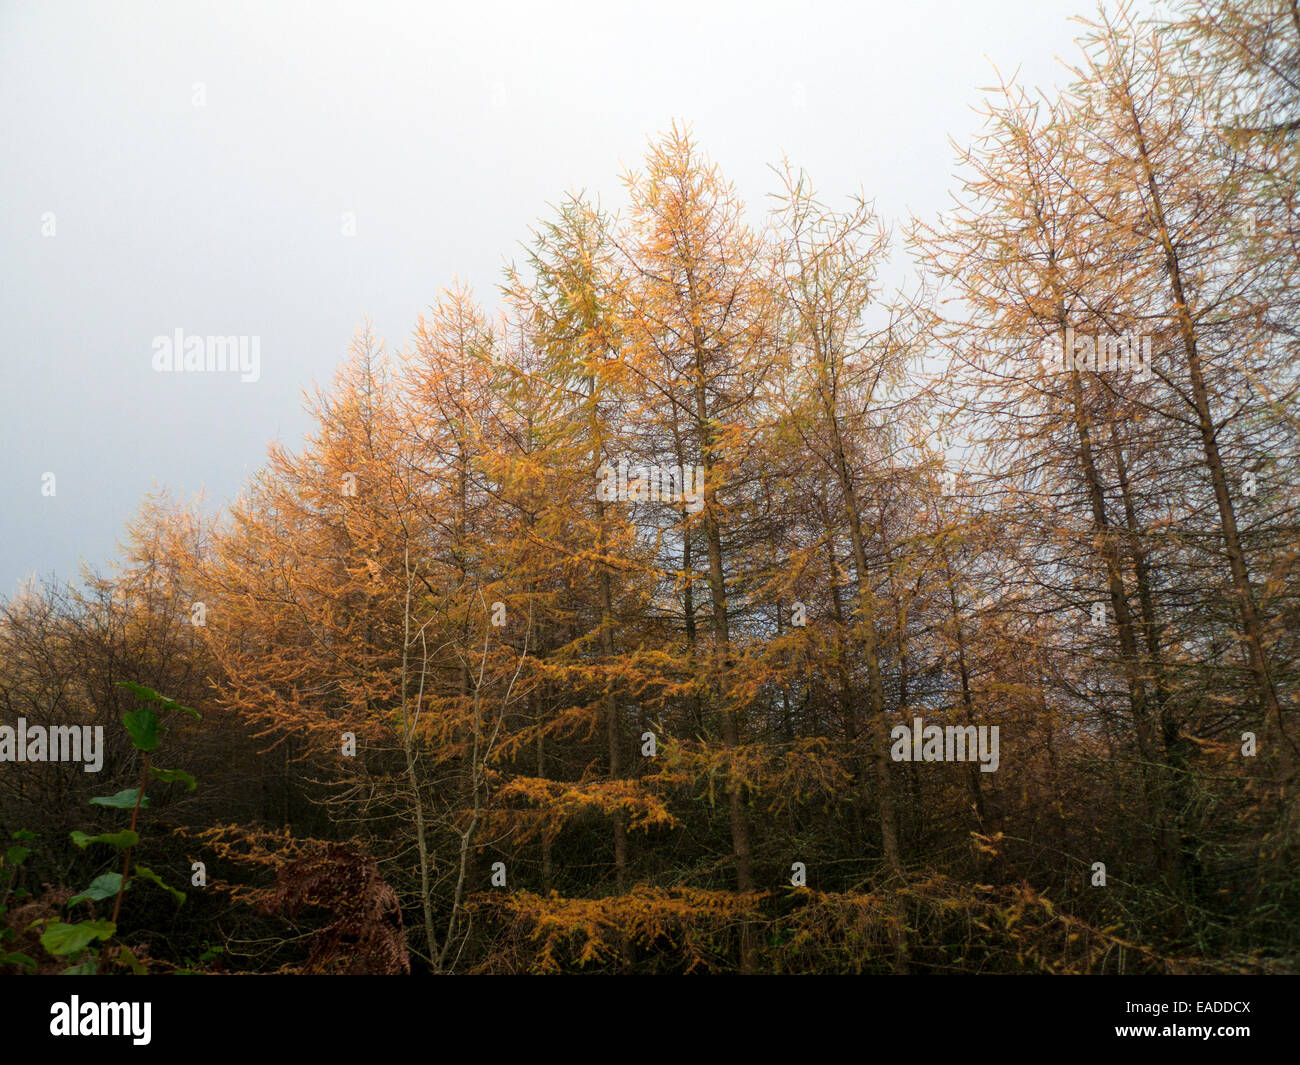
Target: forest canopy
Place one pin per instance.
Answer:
(701, 603)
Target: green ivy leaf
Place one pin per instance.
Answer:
(86, 968)
(123, 800)
(175, 776)
(125, 838)
(18, 959)
(151, 696)
(140, 691)
(23, 836)
(60, 938)
(145, 873)
(143, 726)
(132, 962)
(102, 887)
(172, 704)
(16, 855)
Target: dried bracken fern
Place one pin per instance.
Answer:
(366, 936)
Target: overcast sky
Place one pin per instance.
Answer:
(188, 165)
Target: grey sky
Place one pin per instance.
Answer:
(445, 129)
